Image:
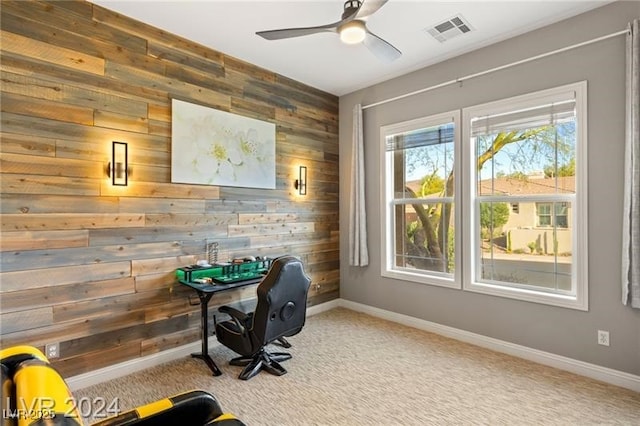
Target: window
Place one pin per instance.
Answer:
(528, 151)
(558, 218)
(511, 192)
(544, 214)
(419, 210)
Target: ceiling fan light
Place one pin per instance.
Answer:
(352, 32)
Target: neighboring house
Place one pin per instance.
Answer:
(535, 222)
(529, 222)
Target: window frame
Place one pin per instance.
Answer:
(387, 204)
(579, 220)
(464, 199)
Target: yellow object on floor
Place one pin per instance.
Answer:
(34, 394)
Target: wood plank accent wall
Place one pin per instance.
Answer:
(92, 266)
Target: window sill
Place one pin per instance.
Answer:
(563, 301)
(443, 281)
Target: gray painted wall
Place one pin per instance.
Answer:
(561, 331)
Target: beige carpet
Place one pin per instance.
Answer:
(352, 369)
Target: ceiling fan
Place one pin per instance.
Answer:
(351, 28)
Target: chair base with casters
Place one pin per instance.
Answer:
(263, 360)
(283, 342)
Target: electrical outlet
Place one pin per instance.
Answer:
(603, 338)
(52, 350)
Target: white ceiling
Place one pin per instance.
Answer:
(321, 60)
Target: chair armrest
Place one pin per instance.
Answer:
(241, 319)
(44, 394)
(195, 407)
(235, 313)
(12, 356)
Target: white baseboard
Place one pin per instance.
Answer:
(607, 375)
(125, 368)
(593, 371)
(323, 307)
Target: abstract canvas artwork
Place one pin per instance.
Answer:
(214, 147)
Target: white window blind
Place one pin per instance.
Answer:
(523, 119)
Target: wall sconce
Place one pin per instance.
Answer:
(301, 183)
(118, 169)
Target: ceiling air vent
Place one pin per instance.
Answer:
(449, 29)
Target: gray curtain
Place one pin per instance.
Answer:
(358, 253)
(631, 218)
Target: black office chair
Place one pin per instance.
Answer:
(279, 313)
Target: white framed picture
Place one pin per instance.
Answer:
(213, 147)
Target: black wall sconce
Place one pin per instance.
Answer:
(301, 183)
(118, 169)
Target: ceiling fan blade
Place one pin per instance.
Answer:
(299, 32)
(382, 49)
(369, 7)
(295, 32)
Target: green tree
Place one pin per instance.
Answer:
(517, 175)
(567, 169)
(429, 244)
(493, 215)
(432, 184)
